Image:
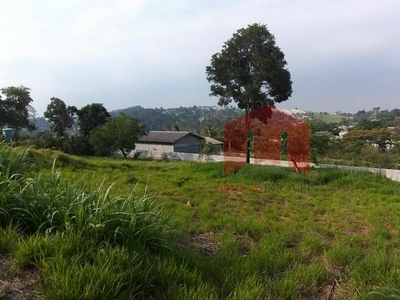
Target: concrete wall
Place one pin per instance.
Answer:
(177, 156)
(389, 173)
(157, 149)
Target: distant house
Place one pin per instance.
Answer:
(343, 131)
(158, 142)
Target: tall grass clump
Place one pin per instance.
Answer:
(54, 205)
(86, 243)
(47, 203)
(13, 166)
(8, 236)
(12, 161)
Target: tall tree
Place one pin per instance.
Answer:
(119, 133)
(16, 108)
(60, 115)
(250, 70)
(90, 117)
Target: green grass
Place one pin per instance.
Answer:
(329, 118)
(101, 228)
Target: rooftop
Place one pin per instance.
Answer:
(169, 137)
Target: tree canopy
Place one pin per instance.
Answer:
(382, 137)
(90, 117)
(60, 115)
(210, 131)
(119, 133)
(15, 108)
(250, 70)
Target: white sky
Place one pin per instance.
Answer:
(342, 55)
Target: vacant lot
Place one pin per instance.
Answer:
(176, 230)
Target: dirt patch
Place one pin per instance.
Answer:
(245, 243)
(363, 230)
(328, 291)
(206, 243)
(17, 284)
(392, 230)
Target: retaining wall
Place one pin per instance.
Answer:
(389, 173)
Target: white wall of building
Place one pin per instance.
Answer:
(157, 149)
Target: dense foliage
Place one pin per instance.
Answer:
(250, 70)
(371, 138)
(15, 108)
(119, 133)
(60, 116)
(193, 118)
(90, 117)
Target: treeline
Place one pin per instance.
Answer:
(85, 131)
(192, 119)
(203, 120)
(371, 138)
(376, 118)
(91, 129)
(367, 138)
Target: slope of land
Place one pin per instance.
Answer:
(261, 233)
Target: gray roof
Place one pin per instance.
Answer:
(167, 137)
(213, 141)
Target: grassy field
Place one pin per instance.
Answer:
(122, 229)
(329, 118)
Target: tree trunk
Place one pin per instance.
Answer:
(296, 167)
(247, 135)
(247, 147)
(123, 153)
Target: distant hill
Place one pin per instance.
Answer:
(193, 118)
(41, 124)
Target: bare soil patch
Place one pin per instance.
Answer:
(206, 243)
(245, 243)
(17, 284)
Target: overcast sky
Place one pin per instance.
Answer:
(342, 55)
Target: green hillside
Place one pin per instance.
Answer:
(329, 118)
